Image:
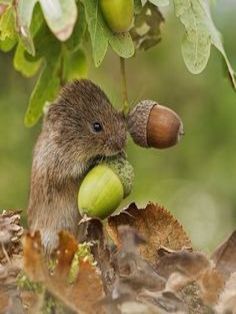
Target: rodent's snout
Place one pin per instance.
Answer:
(117, 143)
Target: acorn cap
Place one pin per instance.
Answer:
(124, 171)
(138, 120)
(153, 125)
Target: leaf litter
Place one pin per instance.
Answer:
(139, 261)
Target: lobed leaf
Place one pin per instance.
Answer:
(86, 290)
(24, 13)
(44, 91)
(96, 29)
(21, 64)
(75, 39)
(200, 34)
(75, 65)
(101, 35)
(8, 36)
(154, 223)
(122, 44)
(61, 16)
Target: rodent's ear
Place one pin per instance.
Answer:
(46, 107)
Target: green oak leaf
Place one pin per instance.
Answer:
(201, 33)
(75, 65)
(7, 44)
(121, 43)
(101, 35)
(7, 24)
(45, 90)
(74, 41)
(8, 35)
(24, 14)
(96, 29)
(24, 66)
(61, 16)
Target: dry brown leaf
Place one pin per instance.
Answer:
(4, 300)
(85, 291)
(183, 267)
(224, 256)
(191, 295)
(155, 224)
(10, 235)
(211, 285)
(227, 301)
(132, 269)
(164, 301)
(65, 253)
(34, 264)
(190, 264)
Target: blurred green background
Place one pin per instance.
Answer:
(195, 180)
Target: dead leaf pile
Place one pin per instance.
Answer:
(140, 261)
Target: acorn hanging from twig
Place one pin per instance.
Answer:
(153, 125)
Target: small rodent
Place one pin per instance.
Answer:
(79, 127)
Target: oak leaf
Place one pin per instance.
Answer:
(155, 224)
(86, 289)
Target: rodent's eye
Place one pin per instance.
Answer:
(97, 127)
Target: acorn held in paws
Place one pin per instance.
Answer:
(104, 187)
(153, 125)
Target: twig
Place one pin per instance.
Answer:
(124, 86)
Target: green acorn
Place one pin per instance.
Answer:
(104, 187)
(118, 14)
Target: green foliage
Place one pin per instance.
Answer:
(54, 37)
(22, 64)
(44, 91)
(8, 35)
(60, 16)
(75, 65)
(201, 33)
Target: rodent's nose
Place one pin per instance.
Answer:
(117, 143)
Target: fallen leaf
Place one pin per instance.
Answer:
(155, 224)
(87, 288)
(190, 264)
(191, 295)
(10, 235)
(227, 301)
(65, 253)
(212, 284)
(166, 300)
(224, 256)
(34, 263)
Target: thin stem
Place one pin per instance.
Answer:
(61, 72)
(124, 86)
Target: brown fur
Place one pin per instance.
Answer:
(65, 149)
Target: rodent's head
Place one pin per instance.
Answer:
(84, 122)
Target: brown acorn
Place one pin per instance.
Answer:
(153, 125)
